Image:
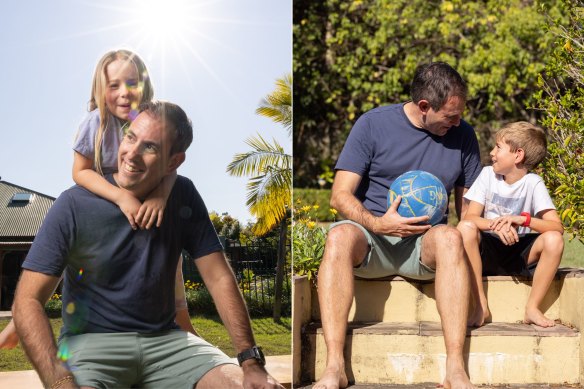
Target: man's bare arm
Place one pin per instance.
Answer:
(343, 199)
(222, 286)
(33, 327)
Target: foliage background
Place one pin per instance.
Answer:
(522, 60)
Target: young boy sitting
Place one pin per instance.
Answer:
(511, 222)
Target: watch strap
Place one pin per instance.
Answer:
(251, 353)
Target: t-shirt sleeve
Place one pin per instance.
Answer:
(478, 190)
(85, 140)
(201, 238)
(541, 198)
(471, 159)
(50, 249)
(356, 154)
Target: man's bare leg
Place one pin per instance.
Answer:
(346, 247)
(442, 249)
(548, 249)
(223, 376)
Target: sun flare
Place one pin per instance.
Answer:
(163, 19)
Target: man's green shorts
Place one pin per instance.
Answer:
(172, 359)
(391, 255)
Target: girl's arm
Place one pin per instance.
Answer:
(152, 210)
(182, 317)
(84, 175)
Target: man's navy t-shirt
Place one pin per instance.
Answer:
(383, 144)
(117, 279)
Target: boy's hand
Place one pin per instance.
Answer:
(506, 228)
(129, 206)
(151, 212)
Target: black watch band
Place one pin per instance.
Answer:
(255, 352)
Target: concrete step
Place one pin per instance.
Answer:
(413, 353)
(395, 299)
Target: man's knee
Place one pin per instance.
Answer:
(346, 242)
(445, 245)
(223, 376)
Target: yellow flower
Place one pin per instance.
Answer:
(316, 206)
(311, 224)
(333, 211)
(306, 208)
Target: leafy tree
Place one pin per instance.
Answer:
(226, 225)
(269, 188)
(351, 56)
(561, 99)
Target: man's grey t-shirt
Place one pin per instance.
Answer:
(384, 144)
(117, 279)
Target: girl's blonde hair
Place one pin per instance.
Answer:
(99, 86)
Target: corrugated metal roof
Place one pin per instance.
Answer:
(21, 219)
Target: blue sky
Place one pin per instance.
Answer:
(216, 59)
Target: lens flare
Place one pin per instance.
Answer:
(63, 352)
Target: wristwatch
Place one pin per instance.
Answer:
(255, 352)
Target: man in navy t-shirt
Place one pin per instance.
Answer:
(426, 133)
(118, 294)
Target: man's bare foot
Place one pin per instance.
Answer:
(332, 378)
(8, 337)
(457, 379)
(479, 316)
(535, 316)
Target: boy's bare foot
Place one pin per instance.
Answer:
(332, 378)
(8, 337)
(457, 379)
(535, 316)
(479, 316)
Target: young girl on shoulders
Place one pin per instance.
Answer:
(120, 84)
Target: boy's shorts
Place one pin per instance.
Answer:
(500, 259)
(172, 359)
(390, 255)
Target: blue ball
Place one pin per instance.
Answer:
(422, 194)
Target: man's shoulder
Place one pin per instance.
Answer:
(384, 110)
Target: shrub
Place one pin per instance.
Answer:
(320, 198)
(308, 239)
(561, 99)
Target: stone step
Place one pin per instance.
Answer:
(396, 299)
(413, 353)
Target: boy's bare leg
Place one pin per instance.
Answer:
(471, 239)
(442, 249)
(8, 337)
(346, 246)
(548, 247)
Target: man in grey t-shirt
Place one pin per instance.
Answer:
(426, 133)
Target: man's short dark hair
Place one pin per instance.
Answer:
(175, 119)
(436, 82)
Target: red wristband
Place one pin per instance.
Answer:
(527, 219)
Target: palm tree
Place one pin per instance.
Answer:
(270, 168)
(269, 190)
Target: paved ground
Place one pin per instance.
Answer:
(279, 366)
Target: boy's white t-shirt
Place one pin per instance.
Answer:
(529, 194)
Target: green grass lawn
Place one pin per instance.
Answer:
(275, 339)
(573, 253)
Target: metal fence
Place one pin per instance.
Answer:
(254, 266)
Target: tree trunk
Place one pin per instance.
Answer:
(280, 270)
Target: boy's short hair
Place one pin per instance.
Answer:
(526, 136)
